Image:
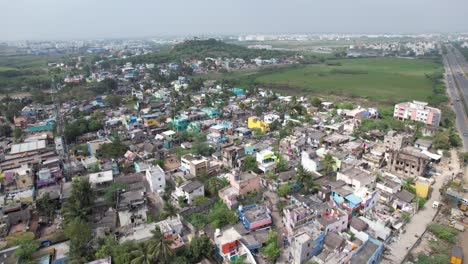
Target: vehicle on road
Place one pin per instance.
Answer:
(465, 134)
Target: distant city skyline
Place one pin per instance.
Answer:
(104, 19)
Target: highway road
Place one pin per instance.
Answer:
(457, 87)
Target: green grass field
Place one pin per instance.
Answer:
(380, 79)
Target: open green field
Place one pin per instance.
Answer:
(380, 79)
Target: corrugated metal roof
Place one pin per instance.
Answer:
(28, 146)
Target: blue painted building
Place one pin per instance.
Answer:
(368, 253)
(211, 112)
(238, 91)
(254, 216)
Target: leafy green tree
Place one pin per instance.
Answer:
(17, 134)
(271, 251)
(5, 130)
(464, 158)
(113, 100)
(328, 163)
(250, 164)
(81, 201)
(119, 252)
(214, 184)
(200, 247)
(284, 190)
(111, 193)
(199, 200)
(198, 220)
(113, 150)
(80, 236)
(26, 249)
(46, 206)
(282, 165)
(221, 216)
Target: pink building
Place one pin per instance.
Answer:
(245, 182)
(241, 183)
(418, 111)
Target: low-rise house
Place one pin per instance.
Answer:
(423, 144)
(230, 247)
(369, 252)
(335, 140)
(423, 187)
(389, 186)
(198, 165)
(395, 141)
(403, 200)
(307, 242)
(347, 200)
(254, 216)
(266, 160)
(101, 180)
(356, 177)
(189, 190)
(171, 228)
(244, 182)
(94, 145)
(156, 178)
(255, 123)
(310, 161)
(132, 207)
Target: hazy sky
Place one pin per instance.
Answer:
(60, 19)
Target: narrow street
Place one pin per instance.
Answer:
(273, 199)
(417, 225)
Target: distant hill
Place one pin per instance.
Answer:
(200, 49)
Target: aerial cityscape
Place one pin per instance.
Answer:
(244, 132)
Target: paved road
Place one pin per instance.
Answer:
(457, 87)
(416, 227)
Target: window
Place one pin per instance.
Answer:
(308, 245)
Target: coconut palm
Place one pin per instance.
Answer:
(328, 163)
(306, 179)
(407, 183)
(159, 246)
(169, 210)
(143, 255)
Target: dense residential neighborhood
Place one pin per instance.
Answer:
(162, 164)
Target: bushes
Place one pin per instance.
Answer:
(443, 232)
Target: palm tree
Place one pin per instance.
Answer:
(159, 246)
(143, 255)
(169, 209)
(407, 183)
(328, 163)
(306, 179)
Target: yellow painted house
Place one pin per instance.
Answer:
(422, 187)
(255, 123)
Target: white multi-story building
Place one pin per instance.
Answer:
(156, 178)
